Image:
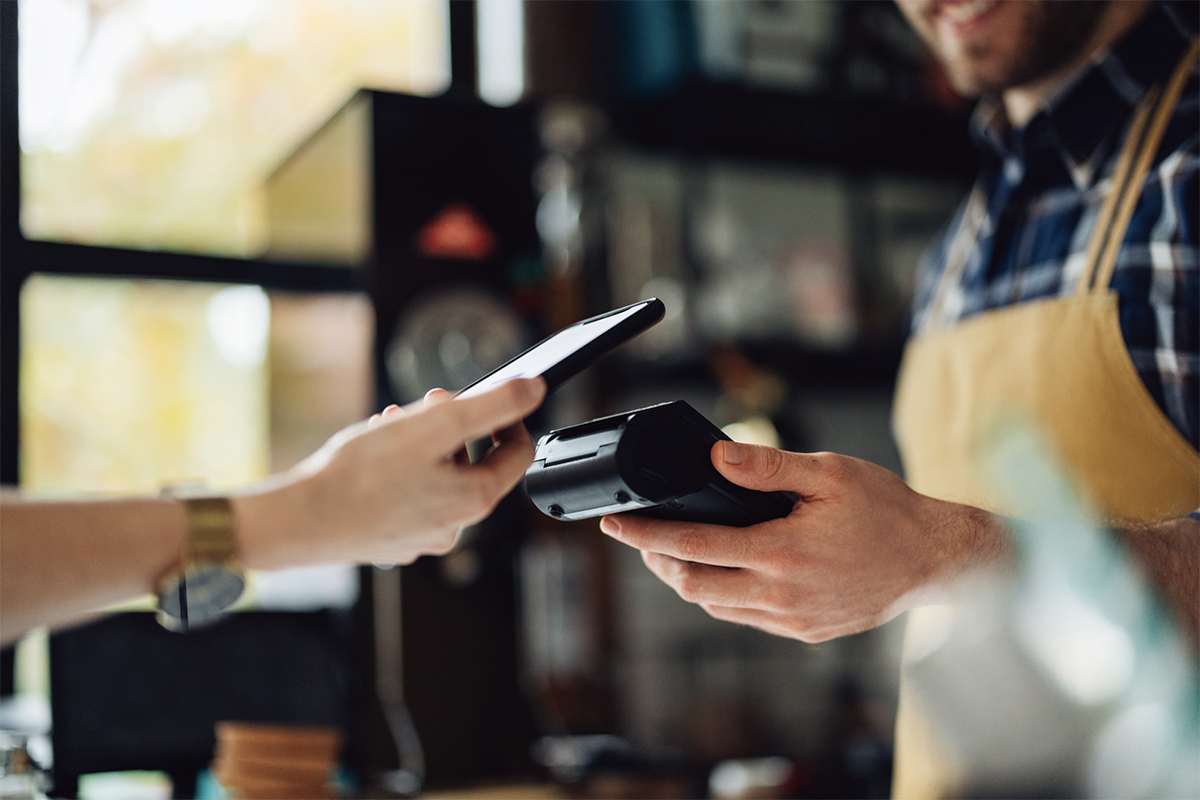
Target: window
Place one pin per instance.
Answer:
(153, 124)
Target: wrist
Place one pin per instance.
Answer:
(962, 540)
(266, 529)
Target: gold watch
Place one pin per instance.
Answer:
(210, 578)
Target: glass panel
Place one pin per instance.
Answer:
(321, 374)
(153, 123)
(129, 385)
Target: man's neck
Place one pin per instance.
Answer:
(1022, 102)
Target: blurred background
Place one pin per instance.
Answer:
(230, 228)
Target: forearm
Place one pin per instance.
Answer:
(1169, 553)
(60, 560)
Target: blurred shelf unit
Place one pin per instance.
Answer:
(804, 262)
(858, 133)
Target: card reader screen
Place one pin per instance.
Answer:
(542, 356)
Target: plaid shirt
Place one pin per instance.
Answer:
(1044, 184)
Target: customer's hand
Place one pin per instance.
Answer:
(859, 548)
(395, 487)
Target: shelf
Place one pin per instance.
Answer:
(871, 134)
(862, 367)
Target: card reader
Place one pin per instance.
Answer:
(654, 461)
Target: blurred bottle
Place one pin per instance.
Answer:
(1065, 678)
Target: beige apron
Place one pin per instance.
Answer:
(1059, 364)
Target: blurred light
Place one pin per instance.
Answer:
(1090, 658)
(1132, 754)
(306, 588)
(500, 32)
(181, 109)
(134, 785)
(53, 34)
(755, 430)
(239, 319)
(752, 777)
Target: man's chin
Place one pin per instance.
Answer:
(978, 81)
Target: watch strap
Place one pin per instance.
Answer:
(209, 529)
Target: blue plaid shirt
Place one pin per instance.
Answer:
(1043, 184)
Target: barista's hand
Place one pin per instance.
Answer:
(395, 487)
(859, 548)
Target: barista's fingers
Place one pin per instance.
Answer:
(792, 626)
(768, 469)
(763, 620)
(688, 541)
(702, 583)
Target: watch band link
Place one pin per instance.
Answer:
(210, 529)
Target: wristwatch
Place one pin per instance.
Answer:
(209, 578)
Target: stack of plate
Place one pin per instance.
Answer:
(256, 761)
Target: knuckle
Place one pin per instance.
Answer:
(447, 515)
(835, 468)
(693, 545)
(774, 463)
(446, 542)
(687, 587)
(480, 497)
(776, 559)
(458, 417)
(440, 426)
(780, 599)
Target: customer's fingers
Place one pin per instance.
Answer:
(486, 483)
(436, 397)
(449, 424)
(391, 412)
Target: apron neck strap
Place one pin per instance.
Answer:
(1141, 145)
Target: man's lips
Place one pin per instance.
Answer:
(961, 18)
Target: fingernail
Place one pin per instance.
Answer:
(734, 453)
(610, 526)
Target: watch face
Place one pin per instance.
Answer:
(200, 595)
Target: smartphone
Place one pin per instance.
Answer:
(574, 348)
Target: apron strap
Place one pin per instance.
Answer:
(1141, 145)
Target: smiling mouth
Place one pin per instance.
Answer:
(963, 16)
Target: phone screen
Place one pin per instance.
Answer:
(553, 350)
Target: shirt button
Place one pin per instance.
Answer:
(1013, 170)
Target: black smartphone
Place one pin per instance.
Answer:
(574, 348)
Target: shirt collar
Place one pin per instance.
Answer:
(1080, 118)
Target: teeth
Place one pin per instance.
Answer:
(965, 12)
